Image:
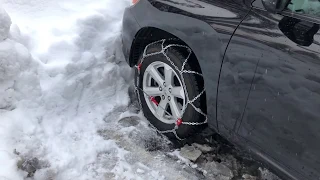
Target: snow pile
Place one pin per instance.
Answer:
(78, 87)
(64, 108)
(18, 73)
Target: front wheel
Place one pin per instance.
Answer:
(169, 91)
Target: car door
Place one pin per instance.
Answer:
(281, 121)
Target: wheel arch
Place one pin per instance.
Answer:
(148, 35)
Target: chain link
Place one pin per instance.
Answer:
(197, 97)
(191, 72)
(194, 123)
(181, 72)
(168, 131)
(186, 60)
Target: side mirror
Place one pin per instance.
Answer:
(300, 32)
(275, 6)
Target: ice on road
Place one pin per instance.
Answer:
(64, 96)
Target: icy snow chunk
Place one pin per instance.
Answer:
(266, 174)
(29, 165)
(190, 153)
(5, 23)
(249, 177)
(203, 147)
(219, 171)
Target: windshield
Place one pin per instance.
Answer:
(310, 7)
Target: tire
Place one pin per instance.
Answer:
(191, 89)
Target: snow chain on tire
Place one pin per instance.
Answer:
(181, 71)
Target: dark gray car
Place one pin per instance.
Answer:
(246, 69)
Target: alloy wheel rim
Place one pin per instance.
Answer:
(163, 83)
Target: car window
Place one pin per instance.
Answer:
(307, 7)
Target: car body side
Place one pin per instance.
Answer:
(218, 32)
(282, 119)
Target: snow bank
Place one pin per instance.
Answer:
(71, 85)
(60, 107)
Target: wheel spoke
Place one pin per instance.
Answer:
(152, 91)
(178, 92)
(175, 108)
(161, 109)
(156, 76)
(168, 74)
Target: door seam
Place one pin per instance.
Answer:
(224, 54)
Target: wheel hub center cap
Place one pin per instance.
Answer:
(167, 91)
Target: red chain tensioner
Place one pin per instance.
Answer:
(139, 66)
(152, 99)
(179, 122)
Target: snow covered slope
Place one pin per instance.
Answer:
(63, 96)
